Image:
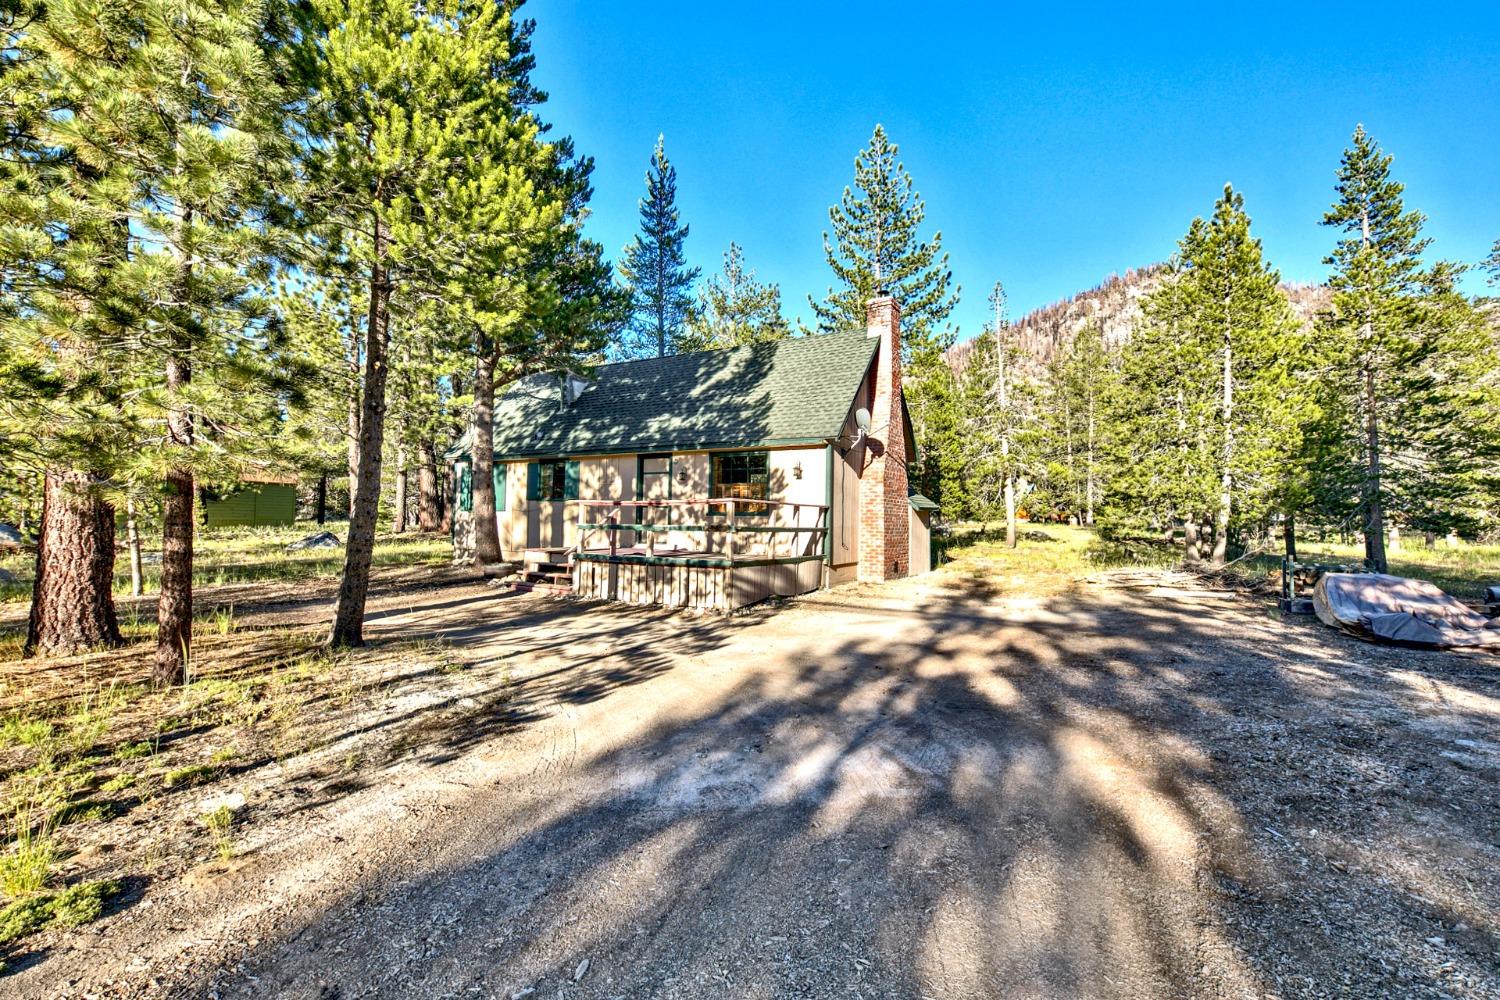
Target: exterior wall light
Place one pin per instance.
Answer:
(797, 471)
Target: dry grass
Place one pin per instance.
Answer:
(249, 555)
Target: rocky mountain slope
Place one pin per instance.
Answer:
(1115, 304)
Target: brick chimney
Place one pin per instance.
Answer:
(884, 510)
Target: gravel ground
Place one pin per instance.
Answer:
(1102, 794)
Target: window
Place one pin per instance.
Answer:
(465, 487)
(552, 480)
(741, 475)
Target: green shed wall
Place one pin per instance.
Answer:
(265, 504)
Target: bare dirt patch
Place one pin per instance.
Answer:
(938, 788)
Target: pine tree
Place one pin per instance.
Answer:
(163, 138)
(60, 242)
(1005, 414)
(1079, 379)
(1210, 410)
(1492, 264)
(876, 246)
(1397, 352)
(424, 163)
(655, 269)
(734, 309)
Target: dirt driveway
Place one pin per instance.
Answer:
(1106, 794)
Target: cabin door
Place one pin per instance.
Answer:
(654, 482)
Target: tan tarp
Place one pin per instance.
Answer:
(1398, 609)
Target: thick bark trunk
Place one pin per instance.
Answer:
(359, 548)
(445, 499)
(322, 499)
(1289, 536)
(482, 458)
(428, 514)
(174, 605)
(133, 539)
(72, 602)
(1191, 553)
(398, 502)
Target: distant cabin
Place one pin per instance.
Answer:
(261, 500)
(714, 479)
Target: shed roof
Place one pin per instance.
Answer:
(791, 391)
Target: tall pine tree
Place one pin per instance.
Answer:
(876, 245)
(734, 309)
(1397, 353)
(655, 268)
(1210, 410)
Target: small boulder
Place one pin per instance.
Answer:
(317, 540)
(6, 578)
(10, 538)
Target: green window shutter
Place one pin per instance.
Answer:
(499, 478)
(570, 481)
(533, 481)
(465, 487)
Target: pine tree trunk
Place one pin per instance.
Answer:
(72, 601)
(1090, 487)
(1226, 476)
(174, 603)
(1073, 499)
(133, 539)
(482, 458)
(1190, 541)
(322, 499)
(398, 513)
(445, 499)
(428, 514)
(1289, 536)
(1003, 384)
(359, 548)
(1375, 516)
(351, 417)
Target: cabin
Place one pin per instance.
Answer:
(712, 480)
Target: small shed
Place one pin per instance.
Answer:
(920, 544)
(261, 500)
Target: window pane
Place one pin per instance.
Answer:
(742, 476)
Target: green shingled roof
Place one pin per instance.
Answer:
(789, 391)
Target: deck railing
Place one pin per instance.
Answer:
(728, 527)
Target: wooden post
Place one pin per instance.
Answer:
(729, 573)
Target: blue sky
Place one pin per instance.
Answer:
(1052, 148)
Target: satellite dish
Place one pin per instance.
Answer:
(862, 420)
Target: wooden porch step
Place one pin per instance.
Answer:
(526, 586)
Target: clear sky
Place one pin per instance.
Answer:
(1054, 144)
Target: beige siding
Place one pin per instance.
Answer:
(846, 473)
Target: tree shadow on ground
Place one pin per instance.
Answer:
(1108, 798)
